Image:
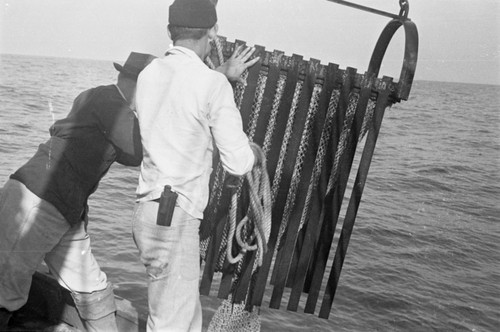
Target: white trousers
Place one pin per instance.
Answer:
(33, 230)
(171, 256)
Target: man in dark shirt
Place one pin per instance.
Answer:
(43, 207)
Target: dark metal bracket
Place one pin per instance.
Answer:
(410, 54)
(411, 44)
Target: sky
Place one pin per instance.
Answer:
(459, 40)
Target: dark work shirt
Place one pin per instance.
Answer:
(100, 129)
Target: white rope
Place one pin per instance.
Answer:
(258, 217)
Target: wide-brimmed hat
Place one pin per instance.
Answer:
(192, 14)
(135, 63)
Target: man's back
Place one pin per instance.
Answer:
(182, 106)
(67, 168)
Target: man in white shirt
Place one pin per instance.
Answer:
(183, 108)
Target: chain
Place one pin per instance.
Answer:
(405, 7)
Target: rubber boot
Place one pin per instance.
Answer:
(97, 310)
(4, 319)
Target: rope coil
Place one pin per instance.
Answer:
(252, 231)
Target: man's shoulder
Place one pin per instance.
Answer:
(188, 68)
(97, 92)
(220, 80)
(104, 89)
(104, 96)
(104, 93)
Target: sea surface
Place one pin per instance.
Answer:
(425, 251)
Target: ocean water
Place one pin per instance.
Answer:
(425, 252)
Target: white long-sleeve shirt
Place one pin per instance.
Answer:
(183, 107)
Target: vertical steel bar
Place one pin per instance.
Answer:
(382, 103)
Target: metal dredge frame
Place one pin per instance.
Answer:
(309, 119)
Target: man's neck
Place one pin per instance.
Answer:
(127, 89)
(197, 46)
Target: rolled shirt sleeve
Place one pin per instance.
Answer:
(227, 129)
